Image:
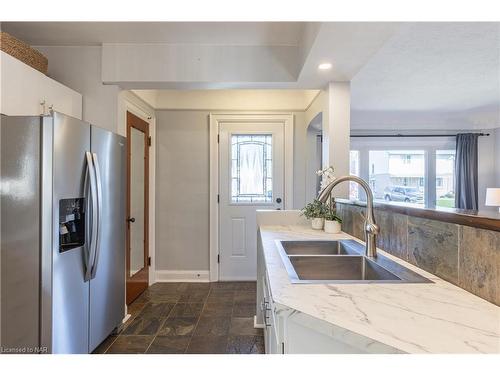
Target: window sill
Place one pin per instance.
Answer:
(477, 219)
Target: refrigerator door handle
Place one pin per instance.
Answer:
(86, 194)
(99, 214)
(92, 228)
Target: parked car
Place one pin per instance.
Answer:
(450, 194)
(403, 194)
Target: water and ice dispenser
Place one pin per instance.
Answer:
(71, 223)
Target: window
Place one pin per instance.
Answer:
(445, 178)
(393, 166)
(251, 168)
(398, 175)
(354, 170)
(406, 159)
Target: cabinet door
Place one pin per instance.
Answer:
(271, 340)
(23, 88)
(274, 347)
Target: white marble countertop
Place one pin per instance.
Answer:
(436, 317)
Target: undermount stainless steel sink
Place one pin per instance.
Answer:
(309, 262)
(316, 248)
(354, 267)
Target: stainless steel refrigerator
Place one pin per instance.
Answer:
(62, 197)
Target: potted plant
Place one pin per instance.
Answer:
(315, 211)
(332, 220)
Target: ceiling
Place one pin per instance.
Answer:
(201, 55)
(442, 67)
(393, 67)
(96, 33)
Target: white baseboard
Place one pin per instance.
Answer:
(165, 276)
(255, 324)
(127, 317)
(242, 278)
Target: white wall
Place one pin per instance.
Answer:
(319, 106)
(486, 168)
(486, 117)
(182, 185)
(336, 134)
(229, 100)
(313, 162)
(176, 65)
(79, 67)
(299, 159)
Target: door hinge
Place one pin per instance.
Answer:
(149, 261)
(282, 348)
(218, 138)
(218, 258)
(218, 198)
(149, 141)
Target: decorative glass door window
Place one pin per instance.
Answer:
(251, 168)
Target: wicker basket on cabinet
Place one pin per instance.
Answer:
(23, 52)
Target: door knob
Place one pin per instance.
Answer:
(132, 220)
(278, 200)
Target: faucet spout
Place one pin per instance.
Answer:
(370, 226)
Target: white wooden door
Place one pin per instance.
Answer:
(251, 157)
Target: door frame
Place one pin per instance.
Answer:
(145, 130)
(217, 118)
(130, 102)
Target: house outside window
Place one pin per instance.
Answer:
(354, 171)
(397, 175)
(445, 178)
(400, 175)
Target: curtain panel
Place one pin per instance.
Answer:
(466, 171)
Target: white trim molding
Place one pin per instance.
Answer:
(165, 276)
(215, 119)
(126, 318)
(257, 325)
(130, 102)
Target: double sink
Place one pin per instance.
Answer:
(324, 262)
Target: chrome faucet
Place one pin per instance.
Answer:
(371, 228)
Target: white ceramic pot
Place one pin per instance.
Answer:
(332, 226)
(317, 223)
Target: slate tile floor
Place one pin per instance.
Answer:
(198, 318)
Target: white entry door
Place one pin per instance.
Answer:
(251, 177)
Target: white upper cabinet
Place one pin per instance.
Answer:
(25, 91)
